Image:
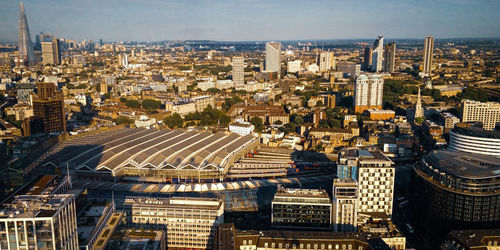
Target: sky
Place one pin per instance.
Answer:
(251, 20)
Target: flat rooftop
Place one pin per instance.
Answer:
(305, 193)
(176, 202)
(31, 206)
(465, 165)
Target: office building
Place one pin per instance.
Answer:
(39, 222)
(375, 178)
(456, 190)
(488, 113)
(25, 46)
(428, 54)
(368, 92)
(367, 58)
(378, 54)
(350, 68)
(345, 205)
(238, 70)
(471, 138)
(273, 57)
(390, 57)
(449, 120)
(51, 53)
(48, 109)
(326, 61)
(189, 222)
(301, 208)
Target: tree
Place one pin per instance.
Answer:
(174, 121)
(213, 90)
(319, 103)
(298, 120)
(225, 120)
(123, 99)
(278, 122)
(257, 122)
(106, 95)
(133, 104)
(123, 120)
(151, 104)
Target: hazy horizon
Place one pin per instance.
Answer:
(253, 20)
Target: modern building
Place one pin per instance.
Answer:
(471, 138)
(449, 120)
(25, 46)
(378, 54)
(242, 128)
(375, 178)
(294, 66)
(48, 109)
(428, 54)
(189, 222)
(367, 58)
(301, 208)
(326, 61)
(350, 68)
(238, 70)
(39, 222)
(486, 112)
(273, 57)
(390, 57)
(472, 239)
(456, 190)
(345, 205)
(51, 52)
(368, 92)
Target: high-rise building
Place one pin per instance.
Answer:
(294, 66)
(39, 222)
(367, 58)
(190, 222)
(48, 109)
(352, 69)
(368, 92)
(273, 57)
(378, 53)
(301, 208)
(419, 111)
(390, 57)
(487, 113)
(123, 60)
(51, 52)
(428, 54)
(25, 46)
(345, 205)
(326, 61)
(238, 70)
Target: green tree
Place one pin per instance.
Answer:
(174, 121)
(133, 104)
(106, 96)
(298, 120)
(319, 103)
(123, 120)
(278, 122)
(151, 104)
(257, 122)
(213, 90)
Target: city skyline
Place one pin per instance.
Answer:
(255, 20)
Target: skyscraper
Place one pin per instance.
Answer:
(25, 46)
(273, 57)
(390, 57)
(367, 58)
(51, 52)
(326, 61)
(368, 92)
(428, 54)
(238, 70)
(378, 53)
(48, 109)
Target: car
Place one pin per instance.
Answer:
(410, 228)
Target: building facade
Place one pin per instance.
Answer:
(24, 44)
(301, 208)
(378, 54)
(390, 57)
(48, 110)
(51, 52)
(345, 202)
(39, 222)
(486, 112)
(238, 70)
(368, 92)
(466, 137)
(273, 57)
(190, 222)
(367, 58)
(326, 61)
(428, 54)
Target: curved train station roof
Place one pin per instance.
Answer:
(148, 149)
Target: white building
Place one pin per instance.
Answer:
(368, 92)
(224, 84)
(486, 112)
(326, 61)
(345, 205)
(39, 222)
(313, 68)
(205, 85)
(189, 222)
(428, 54)
(294, 66)
(241, 127)
(238, 70)
(273, 57)
(145, 122)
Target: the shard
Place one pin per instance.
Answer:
(26, 53)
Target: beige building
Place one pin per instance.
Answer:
(201, 102)
(39, 222)
(238, 70)
(345, 205)
(326, 61)
(368, 92)
(190, 222)
(51, 53)
(486, 112)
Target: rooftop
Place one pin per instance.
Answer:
(471, 129)
(465, 164)
(297, 192)
(30, 206)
